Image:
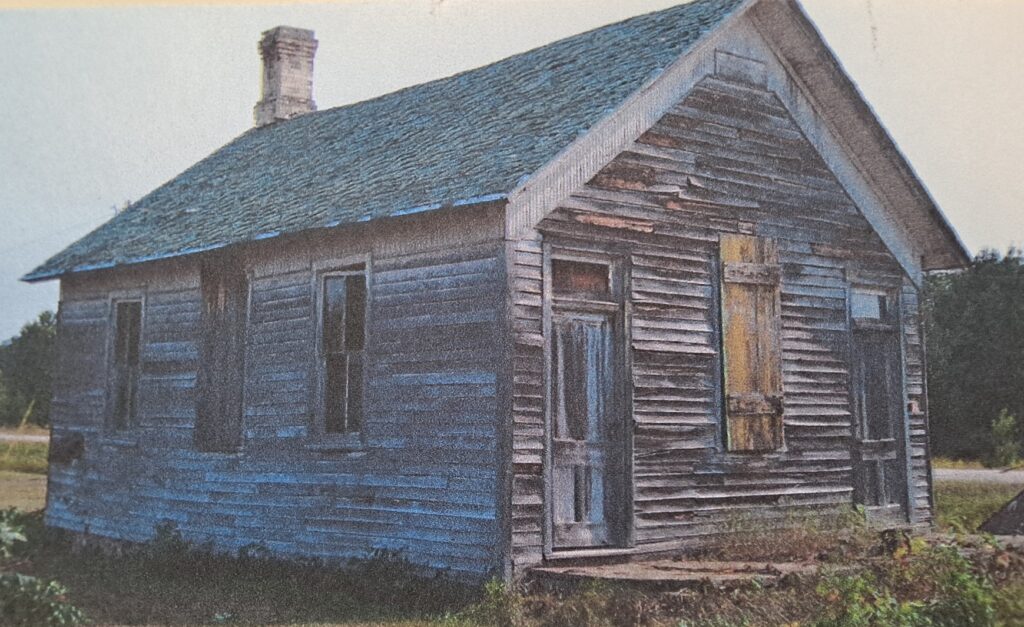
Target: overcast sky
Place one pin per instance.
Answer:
(100, 106)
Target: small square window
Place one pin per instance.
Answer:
(869, 305)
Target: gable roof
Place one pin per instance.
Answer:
(466, 139)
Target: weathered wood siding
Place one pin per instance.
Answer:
(917, 404)
(726, 159)
(426, 481)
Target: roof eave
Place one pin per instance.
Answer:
(944, 249)
(39, 275)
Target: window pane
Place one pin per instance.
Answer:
(344, 333)
(354, 405)
(867, 305)
(335, 393)
(128, 320)
(355, 312)
(335, 290)
(576, 277)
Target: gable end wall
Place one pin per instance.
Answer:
(735, 156)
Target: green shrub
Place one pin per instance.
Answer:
(1005, 441)
(961, 597)
(860, 601)
(921, 585)
(10, 535)
(26, 600)
(1009, 604)
(501, 606)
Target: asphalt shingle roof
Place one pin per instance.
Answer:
(468, 138)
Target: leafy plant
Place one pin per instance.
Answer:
(1005, 441)
(26, 600)
(9, 535)
(859, 601)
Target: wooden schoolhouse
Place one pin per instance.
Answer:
(594, 300)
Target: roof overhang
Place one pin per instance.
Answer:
(809, 59)
(811, 63)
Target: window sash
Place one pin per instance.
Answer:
(343, 340)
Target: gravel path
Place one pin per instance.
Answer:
(21, 437)
(979, 476)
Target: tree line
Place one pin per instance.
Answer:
(974, 332)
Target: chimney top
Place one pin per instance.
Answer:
(287, 74)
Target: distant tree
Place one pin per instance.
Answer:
(975, 340)
(26, 372)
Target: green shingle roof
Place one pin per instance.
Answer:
(461, 140)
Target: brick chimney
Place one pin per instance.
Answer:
(287, 74)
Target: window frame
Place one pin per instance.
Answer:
(319, 436)
(888, 319)
(132, 421)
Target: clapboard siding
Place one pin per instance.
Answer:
(917, 403)
(727, 159)
(425, 482)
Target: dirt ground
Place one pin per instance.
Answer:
(24, 491)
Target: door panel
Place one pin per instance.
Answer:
(587, 443)
(879, 476)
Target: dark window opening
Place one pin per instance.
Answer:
(221, 378)
(344, 336)
(127, 329)
(580, 278)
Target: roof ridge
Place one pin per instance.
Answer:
(509, 59)
(468, 136)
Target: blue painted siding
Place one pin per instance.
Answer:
(424, 484)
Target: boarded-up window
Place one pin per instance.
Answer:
(126, 364)
(751, 343)
(579, 278)
(222, 357)
(344, 336)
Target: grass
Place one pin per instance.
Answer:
(964, 506)
(947, 463)
(23, 456)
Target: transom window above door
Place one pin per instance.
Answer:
(869, 305)
(584, 279)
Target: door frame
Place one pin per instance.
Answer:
(622, 395)
(893, 293)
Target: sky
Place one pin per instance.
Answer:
(103, 105)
